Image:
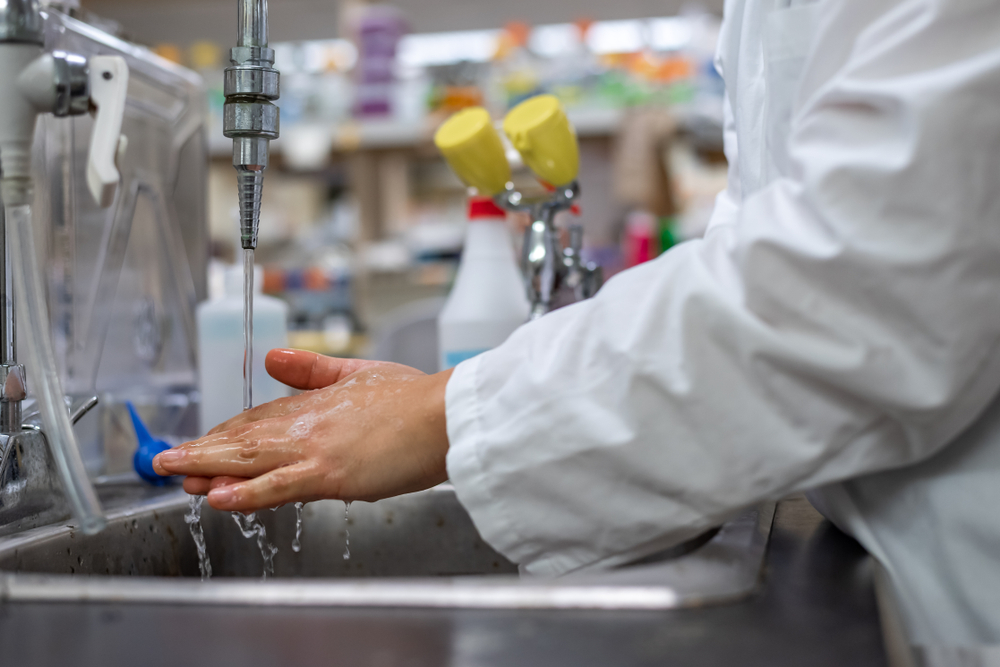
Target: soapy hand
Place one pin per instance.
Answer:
(363, 430)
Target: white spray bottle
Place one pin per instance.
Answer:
(220, 348)
(488, 301)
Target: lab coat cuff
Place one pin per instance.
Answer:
(473, 486)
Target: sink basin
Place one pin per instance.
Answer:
(420, 549)
(422, 534)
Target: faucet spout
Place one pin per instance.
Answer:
(249, 118)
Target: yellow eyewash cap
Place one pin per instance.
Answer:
(474, 151)
(543, 135)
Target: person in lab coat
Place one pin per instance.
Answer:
(836, 330)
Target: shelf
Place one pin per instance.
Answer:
(351, 136)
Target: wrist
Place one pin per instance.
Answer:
(428, 442)
(435, 409)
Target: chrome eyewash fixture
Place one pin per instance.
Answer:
(541, 134)
(549, 268)
(33, 82)
(249, 118)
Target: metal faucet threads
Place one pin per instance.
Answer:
(249, 117)
(250, 186)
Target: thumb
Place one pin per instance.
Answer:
(308, 370)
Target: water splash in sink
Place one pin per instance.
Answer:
(347, 532)
(193, 520)
(296, 543)
(251, 526)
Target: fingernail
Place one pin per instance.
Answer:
(222, 496)
(169, 456)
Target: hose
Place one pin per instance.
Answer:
(43, 376)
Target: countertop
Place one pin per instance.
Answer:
(816, 607)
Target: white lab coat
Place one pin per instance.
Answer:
(839, 321)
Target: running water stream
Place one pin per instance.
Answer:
(251, 526)
(193, 520)
(247, 328)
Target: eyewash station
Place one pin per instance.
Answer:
(132, 324)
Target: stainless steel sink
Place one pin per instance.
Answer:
(415, 550)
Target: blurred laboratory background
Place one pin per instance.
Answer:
(362, 222)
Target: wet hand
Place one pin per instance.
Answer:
(362, 430)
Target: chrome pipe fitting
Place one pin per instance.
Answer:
(249, 117)
(21, 22)
(71, 78)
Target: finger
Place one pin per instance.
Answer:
(197, 486)
(302, 370)
(260, 427)
(226, 481)
(295, 483)
(245, 452)
(158, 469)
(200, 486)
(276, 408)
(308, 370)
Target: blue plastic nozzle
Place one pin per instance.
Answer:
(148, 448)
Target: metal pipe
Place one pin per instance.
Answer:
(251, 19)
(21, 21)
(21, 32)
(8, 327)
(10, 400)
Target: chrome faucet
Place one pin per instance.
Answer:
(249, 118)
(553, 275)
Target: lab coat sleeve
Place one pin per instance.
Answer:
(728, 201)
(848, 322)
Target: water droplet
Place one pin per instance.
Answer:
(296, 543)
(347, 532)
